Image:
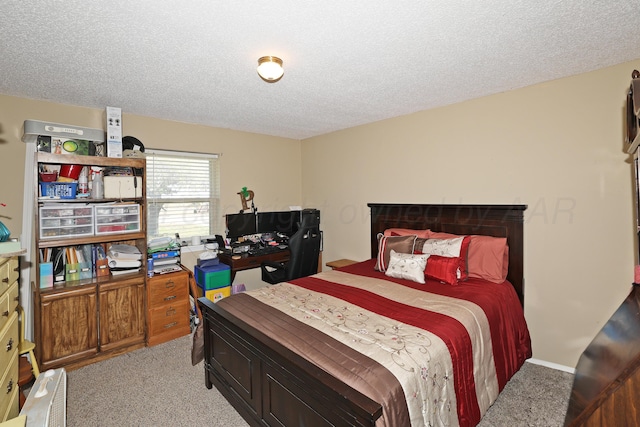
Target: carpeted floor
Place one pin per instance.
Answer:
(157, 386)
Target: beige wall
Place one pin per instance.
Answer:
(556, 147)
(270, 166)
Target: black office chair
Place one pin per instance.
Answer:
(304, 246)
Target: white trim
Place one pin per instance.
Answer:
(552, 365)
(27, 240)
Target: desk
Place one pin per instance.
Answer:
(247, 262)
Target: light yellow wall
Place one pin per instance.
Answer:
(270, 166)
(557, 147)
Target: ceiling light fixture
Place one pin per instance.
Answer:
(270, 68)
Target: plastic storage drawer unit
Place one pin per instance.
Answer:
(118, 218)
(62, 220)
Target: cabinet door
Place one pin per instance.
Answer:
(68, 323)
(121, 314)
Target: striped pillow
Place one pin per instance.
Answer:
(400, 244)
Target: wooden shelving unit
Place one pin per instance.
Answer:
(79, 322)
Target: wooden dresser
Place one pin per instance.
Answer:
(167, 307)
(9, 297)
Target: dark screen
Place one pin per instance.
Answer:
(240, 224)
(285, 222)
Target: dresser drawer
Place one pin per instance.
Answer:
(9, 272)
(14, 297)
(4, 310)
(169, 317)
(13, 410)
(9, 387)
(9, 340)
(8, 304)
(168, 289)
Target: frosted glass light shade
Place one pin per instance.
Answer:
(270, 68)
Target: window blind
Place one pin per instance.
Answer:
(183, 194)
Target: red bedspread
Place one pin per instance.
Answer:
(509, 332)
(509, 343)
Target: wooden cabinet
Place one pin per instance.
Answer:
(87, 318)
(168, 307)
(68, 322)
(121, 313)
(9, 272)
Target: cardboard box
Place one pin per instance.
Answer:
(114, 149)
(79, 147)
(122, 187)
(215, 295)
(44, 143)
(46, 275)
(114, 132)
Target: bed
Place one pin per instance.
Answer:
(302, 354)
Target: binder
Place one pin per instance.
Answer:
(165, 254)
(72, 266)
(85, 262)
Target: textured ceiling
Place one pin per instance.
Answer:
(346, 62)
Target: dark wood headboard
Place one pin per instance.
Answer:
(489, 220)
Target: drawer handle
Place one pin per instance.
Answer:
(5, 280)
(9, 386)
(170, 298)
(16, 269)
(10, 344)
(5, 314)
(170, 284)
(171, 312)
(16, 298)
(170, 325)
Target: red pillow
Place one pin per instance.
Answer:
(488, 256)
(442, 269)
(490, 259)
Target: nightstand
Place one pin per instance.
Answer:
(340, 263)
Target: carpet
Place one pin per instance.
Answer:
(158, 386)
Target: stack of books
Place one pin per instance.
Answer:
(124, 259)
(165, 253)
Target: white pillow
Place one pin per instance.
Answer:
(407, 266)
(449, 248)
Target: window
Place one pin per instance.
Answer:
(183, 194)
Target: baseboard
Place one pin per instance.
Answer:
(552, 365)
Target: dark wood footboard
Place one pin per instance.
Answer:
(270, 385)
